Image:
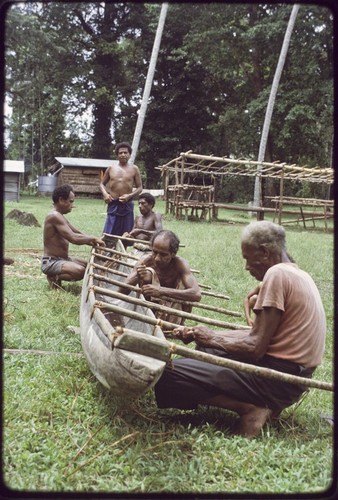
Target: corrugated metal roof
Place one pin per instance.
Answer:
(85, 162)
(14, 166)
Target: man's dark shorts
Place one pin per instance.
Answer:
(52, 266)
(191, 382)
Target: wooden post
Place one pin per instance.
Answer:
(281, 189)
(182, 170)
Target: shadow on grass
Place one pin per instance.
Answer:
(73, 288)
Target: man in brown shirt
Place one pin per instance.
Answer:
(288, 335)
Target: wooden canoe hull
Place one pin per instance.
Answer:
(125, 373)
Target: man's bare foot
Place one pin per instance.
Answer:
(54, 282)
(251, 422)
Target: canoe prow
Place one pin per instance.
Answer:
(125, 372)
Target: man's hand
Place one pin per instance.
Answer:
(201, 335)
(151, 291)
(98, 242)
(184, 334)
(107, 198)
(144, 275)
(124, 198)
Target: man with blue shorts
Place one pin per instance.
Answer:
(117, 190)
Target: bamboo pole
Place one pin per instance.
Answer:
(136, 289)
(292, 168)
(159, 307)
(126, 341)
(111, 259)
(116, 252)
(124, 262)
(112, 271)
(133, 240)
(281, 193)
(215, 294)
(121, 273)
(126, 238)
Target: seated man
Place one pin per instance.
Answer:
(58, 233)
(147, 223)
(164, 274)
(287, 335)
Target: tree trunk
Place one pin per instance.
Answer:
(101, 147)
(149, 81)
(271, 102)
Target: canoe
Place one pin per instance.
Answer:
(122, 339)
(124, 372)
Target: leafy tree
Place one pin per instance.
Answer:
(68, 61)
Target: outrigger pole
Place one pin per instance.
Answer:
(149, 81)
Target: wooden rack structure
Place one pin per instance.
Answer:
(181, 192)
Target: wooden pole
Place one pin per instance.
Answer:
(136, 289)
(149, 81)
(159, 307)
(125, 262)
(141, 343)
(126, 238)
(281, 193)
(42, 353)
(121, 273)
(111, 259)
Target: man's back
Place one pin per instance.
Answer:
(301, 333)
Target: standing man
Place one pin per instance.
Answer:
(117, 190)
(58, 233)
(288, 335)
(163, 274)
(147, 223)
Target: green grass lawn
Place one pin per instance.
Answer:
(63, 431)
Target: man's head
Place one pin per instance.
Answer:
(146, 202)
(63, 198)
(263, 244)
(164, 245)
(62, 192)
(123, 152)
(122, 145)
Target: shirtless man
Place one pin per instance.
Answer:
(163, 273)
(58, 233)
(117, 190)
(147, 223)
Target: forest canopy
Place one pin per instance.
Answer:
(75, 74)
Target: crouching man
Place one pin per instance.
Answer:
(288, 335)
(58, 233)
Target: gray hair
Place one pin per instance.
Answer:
(174, 241)
(264, 233)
